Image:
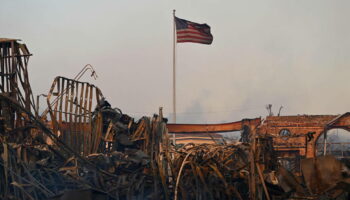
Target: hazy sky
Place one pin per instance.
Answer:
(290, 53)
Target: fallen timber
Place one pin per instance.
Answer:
(82, 148)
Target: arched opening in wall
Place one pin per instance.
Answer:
(336, 143)
(236, 136)
(231, 137)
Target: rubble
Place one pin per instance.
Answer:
(212, 171)
(33, 169)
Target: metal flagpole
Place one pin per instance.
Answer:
(174, 74)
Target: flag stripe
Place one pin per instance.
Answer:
(199, 39)
(194, 40)
(190, 31)
(193, 36)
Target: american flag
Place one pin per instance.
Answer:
(187, 31)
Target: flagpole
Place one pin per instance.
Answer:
(174, 75)
(174, 69)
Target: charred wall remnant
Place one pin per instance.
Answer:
(70, 105)
(207, 133)
(295, 137)
(14, 83)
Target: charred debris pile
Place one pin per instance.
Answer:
(135, 161)
(80, 147)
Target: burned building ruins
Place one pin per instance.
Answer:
(81, 147)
